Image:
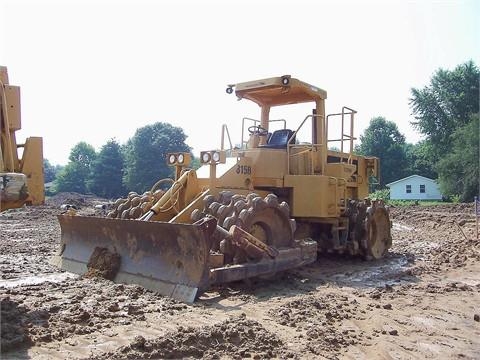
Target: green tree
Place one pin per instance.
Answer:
(446, 105)
(383, 140)
(107, 172)
(68, 181)
(145, 154)
(49, 171)
(419, 159)
(459, 169)
(76, 173)
(195, 164)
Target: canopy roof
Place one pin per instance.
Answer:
(276, 91)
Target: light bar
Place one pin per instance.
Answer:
(178, 159)
(213, 157)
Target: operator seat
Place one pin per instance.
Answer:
(279, 139)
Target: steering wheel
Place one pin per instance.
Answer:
(257, 129)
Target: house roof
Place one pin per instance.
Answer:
(409, 177)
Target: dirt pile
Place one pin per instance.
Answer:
(237, 337)
(14, 329)
(103, 263)
(441, 236)
(53, 312)
(317, 318)
(73, 198)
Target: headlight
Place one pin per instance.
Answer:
(180, 158)
(172, 159)
(216, 156)
(205, 157)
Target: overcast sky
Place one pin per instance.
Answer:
(96, 70)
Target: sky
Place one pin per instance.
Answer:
(98, 70)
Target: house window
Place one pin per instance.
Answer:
(408, 189)
(422, 189)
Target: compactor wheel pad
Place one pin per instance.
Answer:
(265, 218)
(379, 238)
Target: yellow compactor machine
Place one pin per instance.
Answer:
(268, 204)
(21, 177)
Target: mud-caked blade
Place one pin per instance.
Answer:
(164, 257)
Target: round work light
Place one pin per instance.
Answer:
(205, 157)
(181, 158)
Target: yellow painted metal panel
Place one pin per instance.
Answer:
(268, 163)
(313, 195)
(12, 94)
(32, 167)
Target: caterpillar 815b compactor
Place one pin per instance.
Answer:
(21, 178)
(269, 204)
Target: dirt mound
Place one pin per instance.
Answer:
(55, 311)
(103, 263)
(442, 213)
(319, 316)
(440, 236)
(73, 198)
(13, 330)
(237, 337)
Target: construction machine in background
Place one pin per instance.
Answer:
(21, 177)
(269, 204)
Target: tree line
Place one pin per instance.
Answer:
(118, 169)
(446, 113)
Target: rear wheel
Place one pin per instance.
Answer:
(379, 238)
(369, 229)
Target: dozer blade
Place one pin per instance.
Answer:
(168, 258)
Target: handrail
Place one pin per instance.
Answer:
(344, 137)
(225, 130)
(311, 146)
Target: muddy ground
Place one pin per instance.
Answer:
(421, 301)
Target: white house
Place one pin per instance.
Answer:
(414, 187)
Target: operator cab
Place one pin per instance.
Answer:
(274, 92)
(306, 147)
